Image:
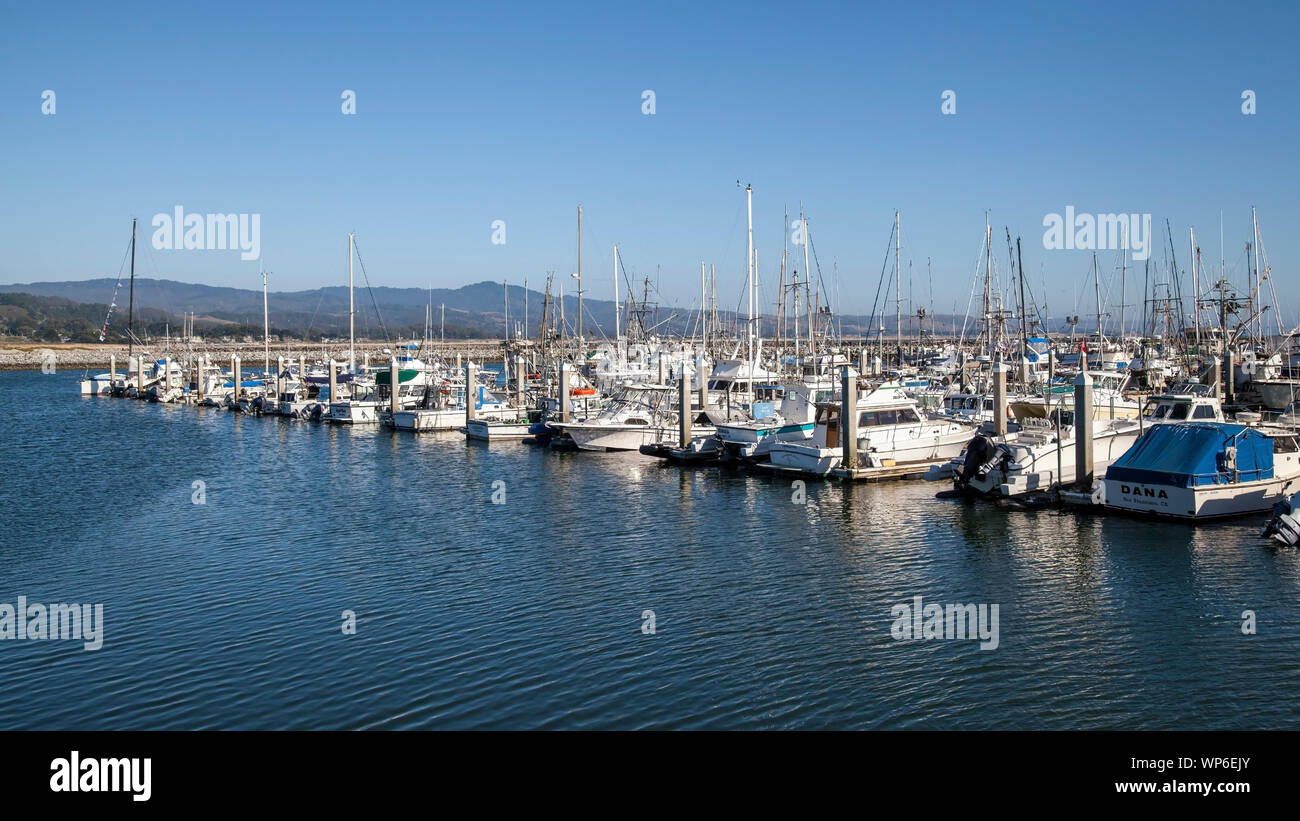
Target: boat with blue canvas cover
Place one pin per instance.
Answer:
(1204, 470)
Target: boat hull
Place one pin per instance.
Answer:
(429, 420)
(493, 431)
(1197, 503)
(354, 413)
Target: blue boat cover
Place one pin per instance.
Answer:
(1189, 454)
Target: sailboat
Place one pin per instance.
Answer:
(104, 384)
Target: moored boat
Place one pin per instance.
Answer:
(1204, 470)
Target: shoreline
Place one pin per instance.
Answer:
(27, 356)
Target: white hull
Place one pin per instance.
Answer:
(1202, 502)
(1041, 471)
(491, 430)
(611, 437)
(354, 413)
(626, 437)
(805, 458)
(752, 441)
(99, 385)
(426, 419)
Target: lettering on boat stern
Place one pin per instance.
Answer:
(1139, 490)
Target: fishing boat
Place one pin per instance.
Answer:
(1204, 470)
(793, 420)
(892, 431)
(1041, 453)
(636, 415)
(441, 407)
(362, 405)
(100, 384)
(295, 393)
(505, 423)
(1108, 402)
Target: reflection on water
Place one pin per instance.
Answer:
(528, 614)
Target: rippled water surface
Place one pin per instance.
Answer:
(528, 614)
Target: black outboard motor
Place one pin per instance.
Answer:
(978, 453)
(1284, 527)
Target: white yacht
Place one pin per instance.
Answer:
(636, 415)
(892, 431)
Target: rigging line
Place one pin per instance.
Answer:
(880, 284)
(153, 263)
(113, 303)
(312, 322)
(371, 291)
(974, 282)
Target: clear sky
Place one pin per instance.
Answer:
(468, 113)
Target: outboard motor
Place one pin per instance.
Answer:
(1284, 527)
(978, 452)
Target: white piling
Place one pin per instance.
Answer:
(470, 392)
(702, 382)
(394, 383)
(1000, 398)
(563, 393)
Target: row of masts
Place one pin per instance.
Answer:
(1161, 301)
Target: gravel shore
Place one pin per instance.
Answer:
(72, 356)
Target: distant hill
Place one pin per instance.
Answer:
(77, 309)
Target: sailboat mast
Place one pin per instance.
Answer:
(1123, 282)
(130, 315)
(988, 278)
(1096, 283)
(806, 280)
(1024, 317)
(1259, 316)
(713, 296)
(352, 313)
(616, 309)
(579, 274)
(266, 329)
(795, 287)
(704, 307)
(1196, 287)
(898, 285)
(749, 267)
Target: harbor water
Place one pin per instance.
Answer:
(503, 586)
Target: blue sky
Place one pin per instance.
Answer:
(468, 114)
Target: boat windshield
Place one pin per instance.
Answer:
(889, 416)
